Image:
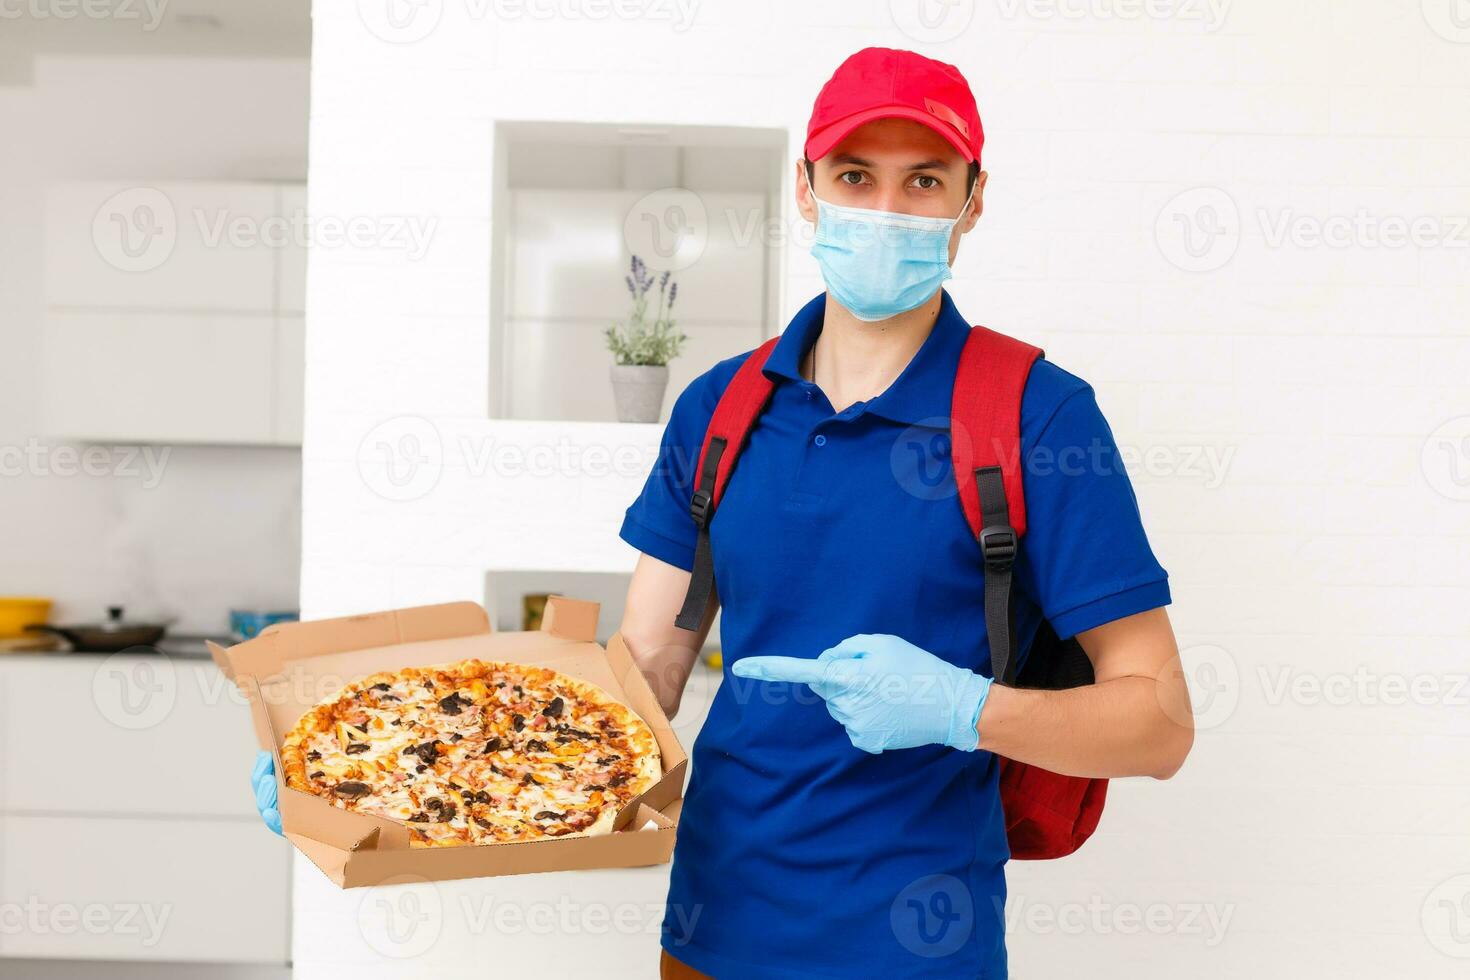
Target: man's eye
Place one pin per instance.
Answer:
(852, 177)
(926, 182)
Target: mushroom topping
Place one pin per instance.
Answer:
(428, 752)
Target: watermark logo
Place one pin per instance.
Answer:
(1362, 229)
(1207, 922)
(1198, 230)
(1445, 917)
(146, 464)
(147, 13)
(400, 21)
(410, 234)
(401, 917)
(135, 690)
(932, 21)
(566, 916)
(135, 230)
(142, 921)
(1214, 685)
(1363, 687)
(933, 916)
(1210, 14)
(1450, 19)
(668, 227)
(410, 21)
(920, 460)
(1445, 459)
(401, 459)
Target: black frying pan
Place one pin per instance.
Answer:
(109, 637)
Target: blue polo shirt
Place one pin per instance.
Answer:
(799, 855)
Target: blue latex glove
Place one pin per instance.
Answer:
(887, 693)
(263, 781)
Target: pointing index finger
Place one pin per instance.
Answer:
(799, 670)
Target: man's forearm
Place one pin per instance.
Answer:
(1127, 726)
(666, 668)
(664, 653)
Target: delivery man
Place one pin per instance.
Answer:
(827, 833)
(843, 816)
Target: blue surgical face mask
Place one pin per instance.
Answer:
(879, 264)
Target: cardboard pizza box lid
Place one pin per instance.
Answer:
(291, 666)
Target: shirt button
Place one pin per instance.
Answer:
(820, 440)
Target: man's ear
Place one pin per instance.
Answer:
(804, 202)
(977, 203)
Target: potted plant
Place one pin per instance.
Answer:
(643, 347)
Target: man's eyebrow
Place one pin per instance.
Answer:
(934, 164)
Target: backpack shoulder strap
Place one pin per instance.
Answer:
(741, 403)
(985, 448)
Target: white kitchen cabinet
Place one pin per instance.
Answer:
(291, 257)
(159, 377)
(290, 380)
(162, 245)
(115, 888)
(163, 737)
(151, 849)
(174, 312)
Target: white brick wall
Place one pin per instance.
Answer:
(1314, 832)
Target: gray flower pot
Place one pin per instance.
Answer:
(638, 390)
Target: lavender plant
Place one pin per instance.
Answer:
(644, 339)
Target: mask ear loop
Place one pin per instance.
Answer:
(966, 206)
(806, 178)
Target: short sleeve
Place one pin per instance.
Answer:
(657, 523)
(1085, 558)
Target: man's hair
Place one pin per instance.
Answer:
(974, 175)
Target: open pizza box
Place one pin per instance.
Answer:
(291, 666)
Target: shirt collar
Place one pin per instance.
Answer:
(921, 392)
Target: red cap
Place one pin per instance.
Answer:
(878, 83)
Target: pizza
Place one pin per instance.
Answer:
(474, 752)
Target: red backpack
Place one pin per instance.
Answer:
(1047, 815)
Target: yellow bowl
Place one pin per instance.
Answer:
(18, 612)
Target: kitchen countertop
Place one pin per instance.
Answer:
(185, 646)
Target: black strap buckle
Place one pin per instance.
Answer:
(998, 545)
(699, 506)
